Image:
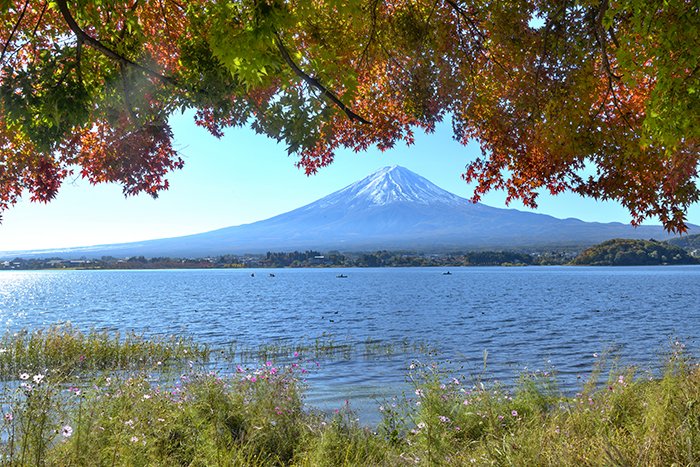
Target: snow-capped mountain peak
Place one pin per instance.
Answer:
(391, 185)
(392, 208)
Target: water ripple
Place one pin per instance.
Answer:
(521, 316)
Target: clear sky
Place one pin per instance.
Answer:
(243, 178)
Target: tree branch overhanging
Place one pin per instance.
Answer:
(475, 29)
(313, 82)
(41, 16)
(104, 50)
(601, 38)
(14, 30)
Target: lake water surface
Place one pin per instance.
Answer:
(534, 317)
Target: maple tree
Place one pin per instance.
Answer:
(599, 97)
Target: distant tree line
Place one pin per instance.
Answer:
(619, 252)
(301, 259)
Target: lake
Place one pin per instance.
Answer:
(528, 317)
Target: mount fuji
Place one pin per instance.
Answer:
(390, 209)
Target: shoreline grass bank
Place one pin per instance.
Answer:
(73, 398)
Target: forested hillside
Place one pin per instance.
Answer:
(624, 252)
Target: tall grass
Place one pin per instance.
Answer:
(125, 415)
(66, 349)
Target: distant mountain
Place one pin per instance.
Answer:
(392, 208)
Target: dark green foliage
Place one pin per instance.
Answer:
(691, 243)
(622, 252)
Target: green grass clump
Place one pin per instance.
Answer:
(200, 419)
(627, 420)
(66, 349)
(256, 416)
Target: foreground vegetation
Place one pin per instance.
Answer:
(127, 414)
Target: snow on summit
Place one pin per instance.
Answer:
(391, 185)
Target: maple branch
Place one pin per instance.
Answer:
(41, 16)
(106, 51)
(313, 82)
(474, 28)
(601, 38)
(372, 32)
(14, 30)
(78, 56)
(600, 35)
(611, 31)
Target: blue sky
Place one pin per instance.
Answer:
(243, 178)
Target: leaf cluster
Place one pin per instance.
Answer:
(598, 97)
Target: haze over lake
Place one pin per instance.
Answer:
(534, 317)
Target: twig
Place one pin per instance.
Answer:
(372, 32)
(106, 51)
(313, 82)
(14, 30)
(473, 27)
(600, 35)
(78, 55)
(41, 16)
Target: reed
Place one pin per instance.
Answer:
(66, 349)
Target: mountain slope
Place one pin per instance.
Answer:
(392, 208)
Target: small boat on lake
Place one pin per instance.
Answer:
(448, 273)
(341, 276)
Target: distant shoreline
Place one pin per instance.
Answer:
(308, 259)
(617, 252)
(255, 268)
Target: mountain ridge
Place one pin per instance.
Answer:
(392, 208)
